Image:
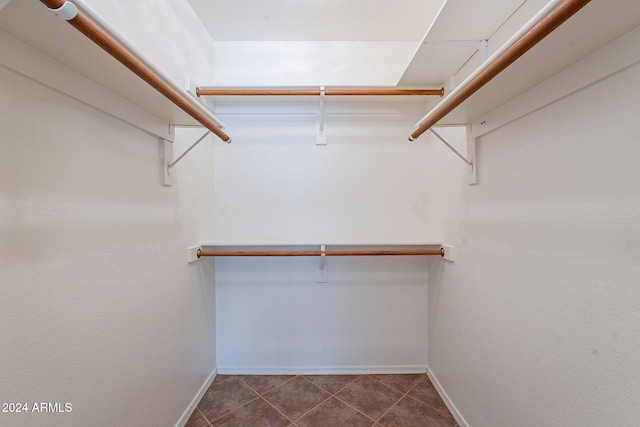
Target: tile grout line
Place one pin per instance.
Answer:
(392, 406)
(271, 389)
(448, 414)
(342, 388)
(231, 411)
(426, 379)
(310, 410)
(399, 399)
(261, 396)
(356, 409)
(203, 416)
(293, 422)
(349, 405)
(375, 421)
(278, 410)
(324, 401)
(406, 394)
(357, 377)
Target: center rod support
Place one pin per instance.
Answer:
(439, 252)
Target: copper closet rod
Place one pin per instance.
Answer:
(550, 22)
(440, 252)
(318, 92)
(103, 39)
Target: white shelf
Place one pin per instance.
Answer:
(33, 24)
(593, 27)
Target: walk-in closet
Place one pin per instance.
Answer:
(307, 213)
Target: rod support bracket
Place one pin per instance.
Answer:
(448, 252)
(323, 269)
(193, 254)
(472, 176)
(321, 126)
(193, 89)
(168, 179)
(168, 163)
(67, 11)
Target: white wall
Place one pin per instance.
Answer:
(98, 306)
(274, 186)
(272, 317)
(167, 33)
(310, 63)
(536, 322)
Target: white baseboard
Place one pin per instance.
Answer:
(321, 370)
(447, 401)
(192, 406)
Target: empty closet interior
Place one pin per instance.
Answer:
(196, 188)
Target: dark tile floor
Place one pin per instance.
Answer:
(321, 401)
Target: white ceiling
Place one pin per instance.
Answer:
(317, 20)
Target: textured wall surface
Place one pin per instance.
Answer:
(274, 185)
(98, 306)
(311, 63)
(272, 317)
(167, 33)
(536, 321)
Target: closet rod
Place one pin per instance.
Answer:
(116, 49)
(440, 252)
(318, 92)
(542, 24)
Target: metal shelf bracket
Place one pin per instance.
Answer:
(472, 178)
(169, 163)
(323, 269)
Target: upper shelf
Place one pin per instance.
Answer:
(596, 25)
(458, 20)
(32, 23)
(599, 23)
